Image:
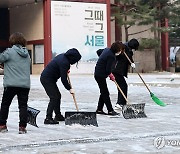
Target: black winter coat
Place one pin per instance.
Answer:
(59, 66)
(122, 64)
(105, 62)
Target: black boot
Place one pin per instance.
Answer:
(113, 113)
(59, 117)
(50, 121)
(100, 112)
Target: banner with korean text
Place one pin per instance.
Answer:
(78, 25)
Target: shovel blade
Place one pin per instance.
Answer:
(82, 118)
(133, 111)
(32, 114)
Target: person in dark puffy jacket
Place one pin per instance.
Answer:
(120, 70)
(103, 69)
(57, 68)
(16, 61)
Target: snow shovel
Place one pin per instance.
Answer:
(32, 114)
(82, 118)
(131, 111)
(154, 98)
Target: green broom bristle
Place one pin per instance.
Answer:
(157, 100)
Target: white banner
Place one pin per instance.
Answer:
(78, 25)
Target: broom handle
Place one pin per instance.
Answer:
(137, 73)
(73, 94)
(121, 91)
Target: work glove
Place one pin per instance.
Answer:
(111, 76)
(71, 91)
(133, 65)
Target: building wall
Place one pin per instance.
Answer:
(135, 29)
(145, 60)
(28, 19)
(112, 1)
(88, 1)
(113, 30)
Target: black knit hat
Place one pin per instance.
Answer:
(133, 44)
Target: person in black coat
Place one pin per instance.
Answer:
(103, 69)
(57, 68)
(120, 70)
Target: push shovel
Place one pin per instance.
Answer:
(32, 114)
(82, 118)
(131, 111)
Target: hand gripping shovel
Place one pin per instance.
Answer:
(154, 98)
(82, 118)
(32, 114)
(131, 111)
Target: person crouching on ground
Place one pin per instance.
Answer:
(16, 62)
(57, 68)
(103, 69)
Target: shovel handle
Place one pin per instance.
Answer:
(137, 72)
(75, 102)
(74, 98)
(121, 91)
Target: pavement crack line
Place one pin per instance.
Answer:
(83, 141)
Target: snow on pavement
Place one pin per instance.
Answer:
(159, 132)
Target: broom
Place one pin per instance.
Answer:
(154, 98)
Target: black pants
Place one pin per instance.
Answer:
(8, 95)
(123, 85)
(104, 94)
(54, 94)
